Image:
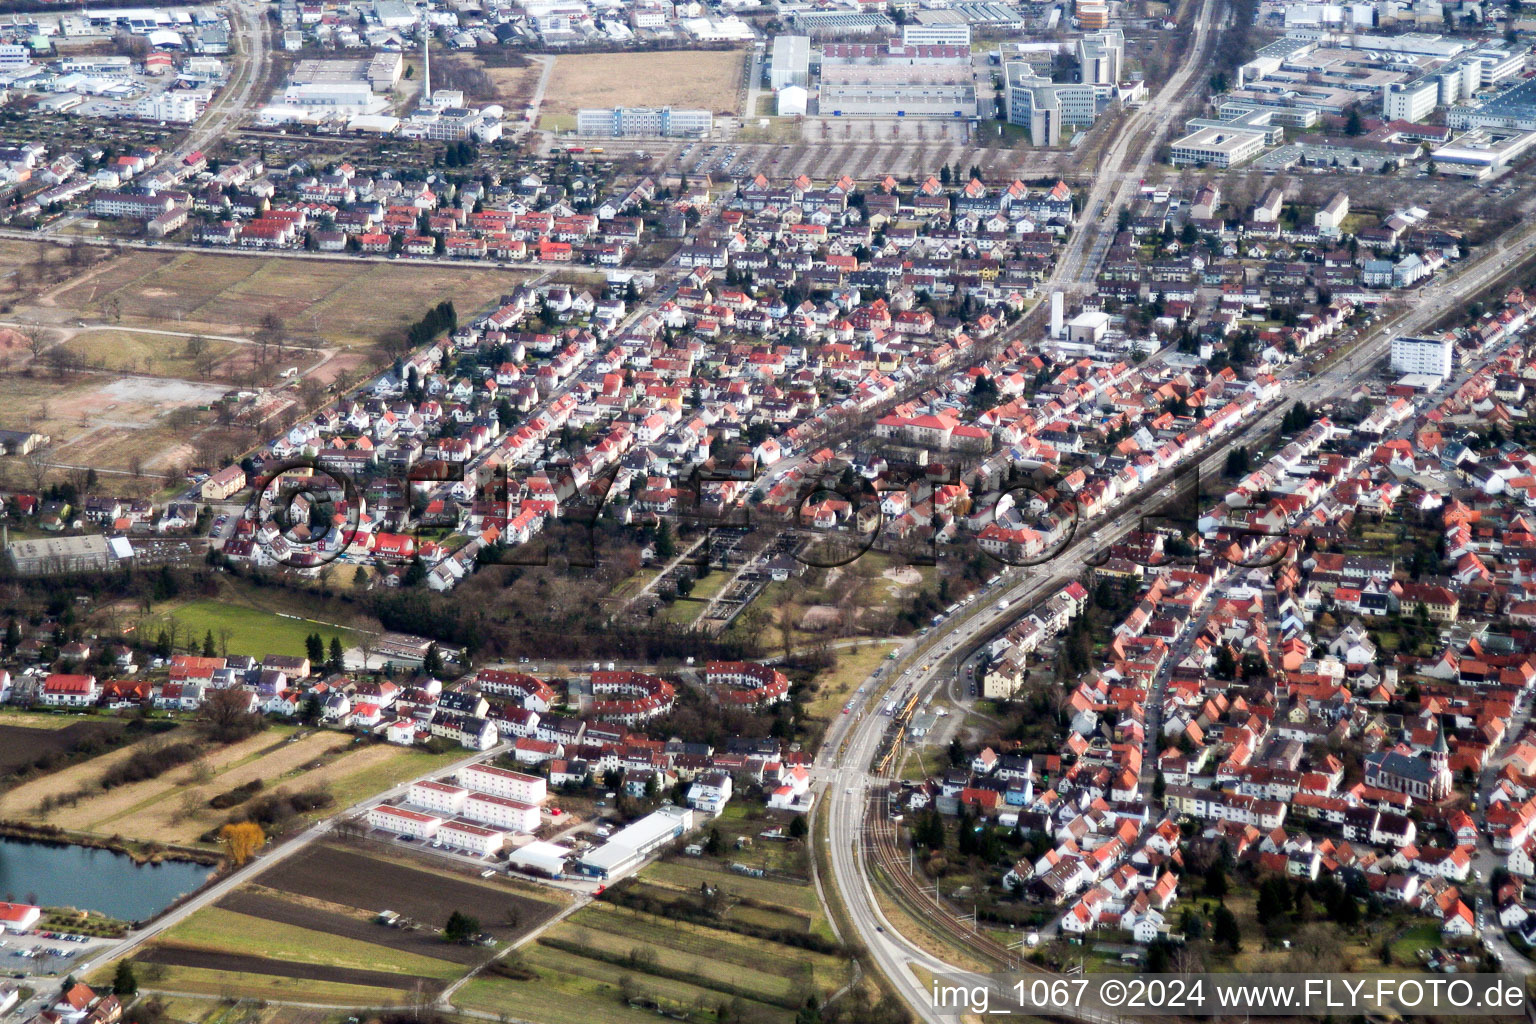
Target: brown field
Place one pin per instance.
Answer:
(119, 810)
(515, 86)
(355, 878)
(684, 78)
(20, 745)
(348, 925)
(22, 801)
(234, 962)
(159, 812)
(338, 302)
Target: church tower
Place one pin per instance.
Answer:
(1439, 766)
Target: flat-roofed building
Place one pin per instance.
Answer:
(664, 122)
(403, 821)
(487, 778)
(1216, 147)
(49, 555)
(790, 63)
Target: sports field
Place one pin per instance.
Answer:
(250, 630)
(706, 79)
(338, 302)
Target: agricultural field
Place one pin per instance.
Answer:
(357, 878)
(22, 802)
(615, 962)
(174, 808)
(708, 79)
(220, 931)
(245, 630)
(26, 739)
(155, 971)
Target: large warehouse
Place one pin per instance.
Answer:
(791, 62)
(652, 121)
(896, 80)
(633, 843)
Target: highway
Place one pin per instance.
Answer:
(842, 765)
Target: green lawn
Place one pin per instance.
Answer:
(251, 631)
(225, 931)
(366, 782)
(800, 898)
(854, 667)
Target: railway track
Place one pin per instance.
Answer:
(881, 842)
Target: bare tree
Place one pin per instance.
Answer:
(37, 338)
(38, 466)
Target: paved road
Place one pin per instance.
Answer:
(276, 855)
(853, 739)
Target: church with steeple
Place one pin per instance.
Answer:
(1400, 770)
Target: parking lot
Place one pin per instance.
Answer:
(43, 952)
(826, 147)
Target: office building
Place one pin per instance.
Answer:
(1044, 107)
(1101, 56)
(938, 34)
(653, 121)
(1429, 356)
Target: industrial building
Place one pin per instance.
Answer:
(1433, 357)
(790, 63)
(651, 121)
(539, 858)
(629, 847)
(838, 23)
(936, 34)
(1481, 152)
(1514, 108)
(909, 91)
(49, 555)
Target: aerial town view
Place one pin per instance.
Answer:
(767, 511)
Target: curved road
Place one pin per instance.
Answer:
(852, 741)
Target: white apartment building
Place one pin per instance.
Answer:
(487, 778)
(499, 812)
(437, 796)
(180, 105)
(1432, 356)
(471, 838)
(404, 822)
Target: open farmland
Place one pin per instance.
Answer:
(356, 878)
(229, 983)
(707, 79)
(339, 920)
(218, 930)
(603, 955)
(22, 743)
(21, 802)
(343, 303)
(174, 807)
(230, 965)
